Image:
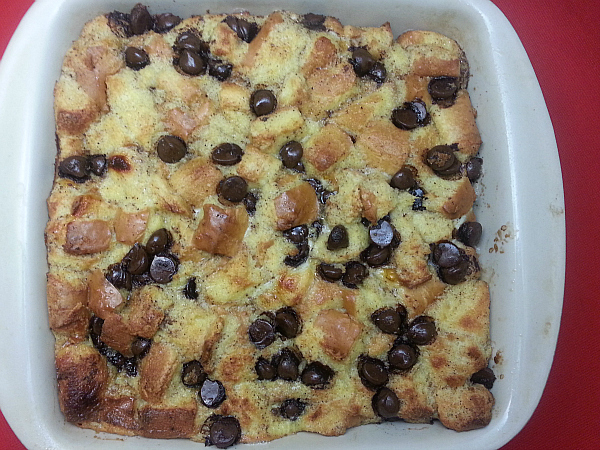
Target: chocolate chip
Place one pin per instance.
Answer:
(137, 260)
(224, 431)
(140, 19)
(300, 257)
(191, 63)
(485, 377)
(287, 322)
(233, 189)
(420, 194)
(404, 178)
(338, 238)
(402, 357)
(469, 233)
(74, 168)
(287, 363)
(245, 30)
(97, 164)
(189, 40)
(446, 254)
(457, 273)
(362, 61)
(376, 256)
(473, 169)
(118, 22)
(329, 272)
(354, 275)
(443, 89)
(140, 347)
(322, 193)
(378, 73)
(263, 102)
(265, 370)
(119, 163)
(385, 403)
(250, 203)
(372, 372)
(314, 22)
(193, 374)
(219, 69)
(411, 115)
(291, 154)
(227, 154)
(96, 325)
(117, 275)
(441, 158)
(292, 408)
(261, 333)
(422, 331)
(171, 149)
(162, 268)
(381, 234)
(389, 320)
(159, 241)
(297, 235)
(190, 290)
(318, 227)
(166, 21)
(317, 375)
(212, 393)
(136, 58)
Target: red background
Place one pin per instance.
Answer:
(562, 39)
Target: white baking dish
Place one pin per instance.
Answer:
(520, 206)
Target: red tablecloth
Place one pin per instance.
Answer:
(562, 39)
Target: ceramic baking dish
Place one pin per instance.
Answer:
(520, 206)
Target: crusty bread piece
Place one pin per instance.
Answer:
(127, 335)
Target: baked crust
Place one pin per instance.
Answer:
(124, 335)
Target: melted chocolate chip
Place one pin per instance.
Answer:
(119, 163)
(329, 272)
(265, 370)
(297, 235)
(469, 233)
(291, 154)
(362, 61)
(443, 90)
(74, 168)
(140, 19)
(162, 268)
(212, 393)
(287, 322)
(190, 290)
(292, 408)
(473, 169)
(485, 377)
(137, 260)
(389, 320)
(96, 325)
(422, 331)
(317, 375)
(245, 30)
(314, 22)
(381, 234)
(338, 238)
(261, 333)
(191, 63)
(193, 374)
(263, 102)
(118, 22)
(404, 178)
(372, 372)
(219, 69)
(136, 58)
(250, 203)
(171, 149)
(378, 73)
(376, 256)
(224, 431)
(159, 241)
(354, 275)
(455, 274)
(227, 154)
(140, 347)
(385, 403)
(402, 357)
(446, 254)
(441, 158)
(233, 189)
(97, 164)
(300, 257)
(322, 193)
(411, 115)
(117, 275)
(166, 21)
(287, 363)
(188, 40)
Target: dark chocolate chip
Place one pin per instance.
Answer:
(314, 22)
(404, 178)
(372, 372)
(411, 115)
(263, 102)
(385, 403)
(96, 325)
(473, 169)
(422, 331)
(297, 235)
(136, 58)
(224, 431)
(446, 254)
(389, 320)
(171, 149)
(245, 30)
(191, 63)
(292, 408)
(362, 61)
(354, 275)
(117, 275)
(317, 375)
(159, 241)
(287, 322)
(265, 370)
(118, 22)
(318, 227)
(287, 363)
(188, 40)
(227, 154)
(190, 290)
(378, 73)
(381, 234)
(137, 260)
(140, 19)
(329, 272)
(140, 347)
(261, 333)
(233, 189)
(441, 158)
(402, 357)
(376, 256)
(74, 168)
(442, 88)
(162, 268)
(250, 203)
(322, 193)
(193, 374)
(485, 377)
(338, 238)
(300, 257)
(219, 69)
(469, 233)
(166, 21)
(291, 154)
(457, 273)
(212, 393)
(97, 164)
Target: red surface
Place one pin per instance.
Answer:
(563, 42)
